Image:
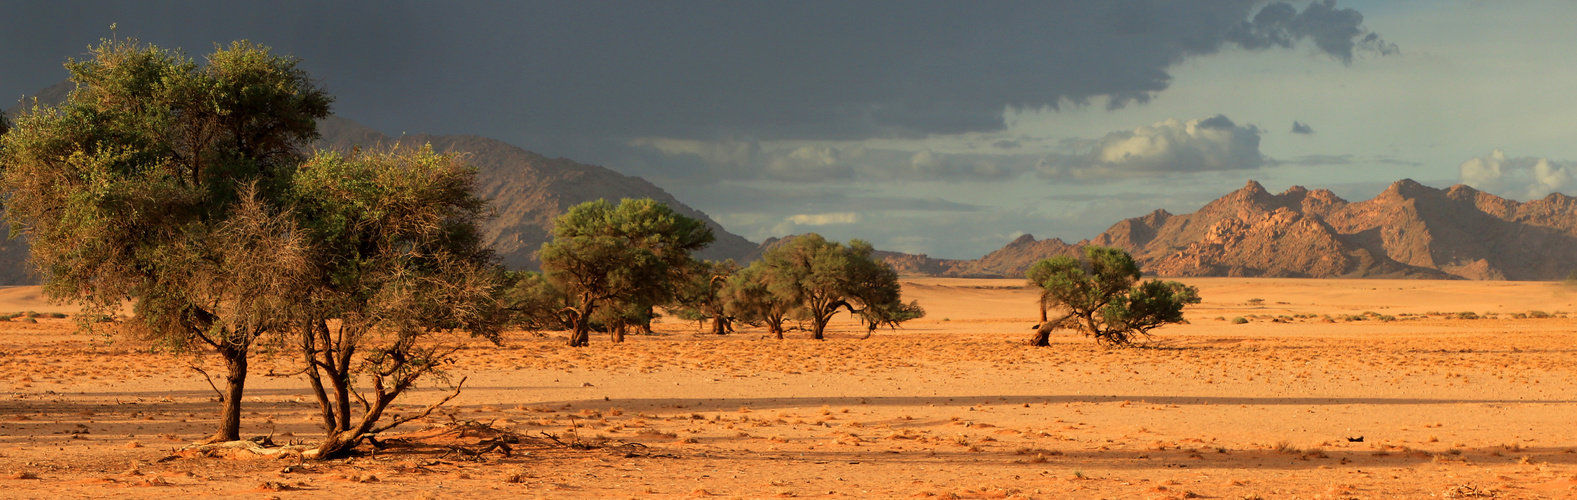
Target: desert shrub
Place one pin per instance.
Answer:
(1467, 315)
(1239, 320)
(1538, 314)
(1256, 302)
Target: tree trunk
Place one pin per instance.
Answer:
(1042, 337)
(581, 336)
(343, 441)
(235, 385)
(617, 332)
(718, 327)
(819, 327)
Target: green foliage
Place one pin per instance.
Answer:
(701, 296)
(1102, 298)
(399, 272)
(625, 257)
(160, 180)
(534, 303)
(821, 276)
(750, 297)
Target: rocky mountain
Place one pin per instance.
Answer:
(528, 190)
(1408, 231)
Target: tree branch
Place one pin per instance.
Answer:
(396, 422)
(210, 381)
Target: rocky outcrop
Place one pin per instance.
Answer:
(1408, 231)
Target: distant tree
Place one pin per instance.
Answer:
(1101, 299)
(750, 297)
(823, 276)
(619, 317)
(144, 183)
(701, 296)
(5, 125)
(889, 314)
(631, 254)
(401, 276)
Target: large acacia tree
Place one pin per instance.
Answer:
(400, 274)
(144, 182)
(605, 256)
(823, 276)
(1100, 298)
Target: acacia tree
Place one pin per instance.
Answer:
(823, 276)
(401, 272)
(748, 296)
(702, 294)
(602, 255)
(1102, 300)
(127, 189)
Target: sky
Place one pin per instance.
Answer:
(945, 128)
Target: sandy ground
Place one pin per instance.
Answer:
(951, 406)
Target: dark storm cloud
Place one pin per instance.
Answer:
(1337, 32)
(1302, 128)
(562, 76)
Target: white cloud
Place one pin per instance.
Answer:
(1528, 176)
(820, 163)
(723, 153)
(1171, 146)
(824, 219)
(806, 164)
(794, 224)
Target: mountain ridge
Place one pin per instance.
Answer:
(1407, 231)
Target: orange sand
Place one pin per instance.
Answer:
(951, 406)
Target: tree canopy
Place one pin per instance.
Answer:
(618, 257)
(820, 277)
(1100, 297)
(152, 171)
(399, 269)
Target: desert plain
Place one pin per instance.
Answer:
(1324, 389)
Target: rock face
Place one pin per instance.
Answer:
(1409, 231)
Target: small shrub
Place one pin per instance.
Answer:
(1239, 320)
(1538, 314)
(1256, 302)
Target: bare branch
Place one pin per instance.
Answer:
(210, 381)
(396, 422)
